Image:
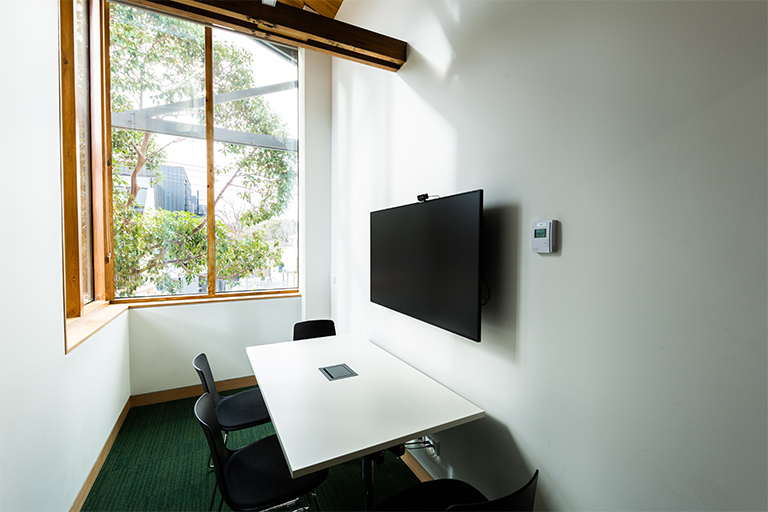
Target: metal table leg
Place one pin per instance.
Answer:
(368, 463)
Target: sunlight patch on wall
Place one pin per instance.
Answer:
(425, 158)
(433, 45)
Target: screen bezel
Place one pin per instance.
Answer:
(468, 298)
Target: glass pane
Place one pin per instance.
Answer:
(256, 125)
(159, 154)
(83, 134)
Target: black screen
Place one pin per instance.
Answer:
(425, 261)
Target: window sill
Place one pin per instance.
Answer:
(96, 316)
(99, 314)
(169, 301)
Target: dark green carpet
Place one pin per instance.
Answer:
(159, 462)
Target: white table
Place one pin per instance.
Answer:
(321, 423)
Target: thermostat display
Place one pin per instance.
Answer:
(543, 236)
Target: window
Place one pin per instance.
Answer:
(204, 199)
(186, 186)
(82, 161)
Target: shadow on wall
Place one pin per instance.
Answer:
(500, 270)
(498, 467)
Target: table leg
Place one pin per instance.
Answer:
(368, 463)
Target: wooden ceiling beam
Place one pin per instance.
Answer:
(290, 25)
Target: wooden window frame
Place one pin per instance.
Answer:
(210, 294)
(75, 308)
(81, 319)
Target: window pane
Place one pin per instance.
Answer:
(83, 134)
(256, 207)
(157, 68)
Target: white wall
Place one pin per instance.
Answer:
(164, 340)
(631, 366)
(315, 183)
(56, 410)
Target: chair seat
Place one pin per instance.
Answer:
(242, 410)
(432, 495)
(258, 476)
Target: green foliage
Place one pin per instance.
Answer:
(243, 253)
(154, 57)
(279, 230)
(267, 173)
(146, 251)
(124, 144)
(158, 60)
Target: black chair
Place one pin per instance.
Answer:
(235, 412)
(456, 495)
(313, 329)
(256, 476)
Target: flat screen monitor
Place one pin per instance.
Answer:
(425, 261)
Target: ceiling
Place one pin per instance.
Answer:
(327, 8)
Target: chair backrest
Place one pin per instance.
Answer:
(206, 377)
(519, 501)
(313, 329)
(205, 412)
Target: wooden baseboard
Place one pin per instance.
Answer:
(83, 494)
(189, 391)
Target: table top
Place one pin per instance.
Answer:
(321, 423)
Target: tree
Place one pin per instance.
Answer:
(158, 60)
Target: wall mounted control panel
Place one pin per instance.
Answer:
(543, 236)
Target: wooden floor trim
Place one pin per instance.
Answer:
(159, 397)
(83, 494)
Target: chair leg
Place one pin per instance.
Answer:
(317, 502)
(310, 497)
(284, 505)
(213, 497)
(210, 457)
